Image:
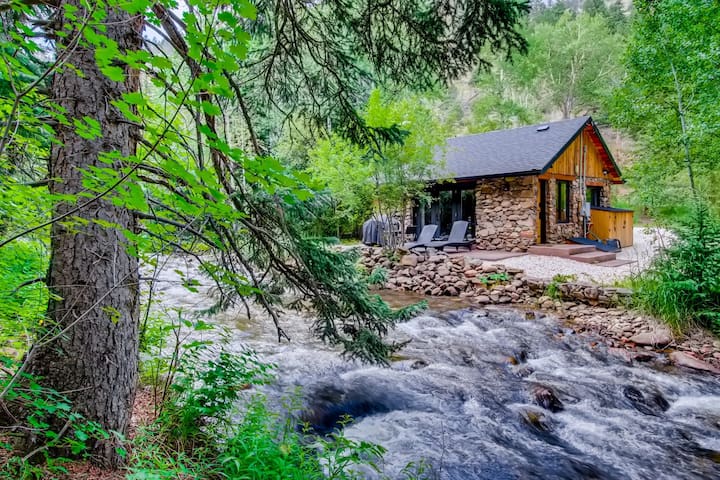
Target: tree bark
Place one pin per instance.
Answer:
(94, 360)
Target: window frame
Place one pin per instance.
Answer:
(595, 194)
(560, 209)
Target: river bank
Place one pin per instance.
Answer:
(584, 306)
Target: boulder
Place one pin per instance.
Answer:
(658, 338)
(683, 359)
(471, 273)
(546, 398)
(483, 299)
(409, 260)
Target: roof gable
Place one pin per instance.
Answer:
(518, 151)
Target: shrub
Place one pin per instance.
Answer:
(23, 294)
(54, 428)
(215, 424)
(682, 285)
(553, 288)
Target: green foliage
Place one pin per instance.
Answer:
(57, 430)
(381, 177)
(576, 62)
(682, 285)
(22, 304)
(216, 425)
(378, 276)
(553, 288)
(342, 289)
(668, 101)
(494, 278)
(572, 66)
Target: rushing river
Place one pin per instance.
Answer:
(493, 394)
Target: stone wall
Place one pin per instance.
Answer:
(588, 307)
(559, 232)
(485, 282)
(505, 213)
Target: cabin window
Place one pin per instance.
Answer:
(563, 201)
(594, 196)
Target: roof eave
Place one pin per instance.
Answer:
(564, 147)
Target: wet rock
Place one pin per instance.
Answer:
(657, 338)
(418, 364)
(637, 400)
(546, 398)
(683, 359)
(536, 420)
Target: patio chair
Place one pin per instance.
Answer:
(456, 238)
(426, 236)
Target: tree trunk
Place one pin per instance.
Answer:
(95, 359)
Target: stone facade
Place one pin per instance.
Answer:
(505, 213)
(559, 232)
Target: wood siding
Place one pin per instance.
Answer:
(568, 163)
(613, 223)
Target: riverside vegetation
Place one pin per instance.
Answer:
(210, 131)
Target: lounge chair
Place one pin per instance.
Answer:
(456, 238)
(426, 236)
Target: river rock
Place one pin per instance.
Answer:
(650, 404)
(658, 338)
(683, 359)
(483, 299)
(409, 260)
(417, 364)
(546, 398)
(536, 420)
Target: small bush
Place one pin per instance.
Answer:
(23, 294)
(494, 278)
(682, 285)
(553, 288)
(53, 427)
(215, 424)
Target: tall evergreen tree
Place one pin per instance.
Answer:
(128, 174)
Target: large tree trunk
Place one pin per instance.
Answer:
(95, 359)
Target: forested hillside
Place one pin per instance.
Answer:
(247, 137)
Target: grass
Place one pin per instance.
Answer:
(682, 285)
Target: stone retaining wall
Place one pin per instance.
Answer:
(586, 307)
(485, 282)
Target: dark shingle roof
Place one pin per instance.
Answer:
(518, 151)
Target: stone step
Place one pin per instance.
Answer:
(561, 250)
(594, 257)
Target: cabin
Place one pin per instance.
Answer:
(540, 184)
